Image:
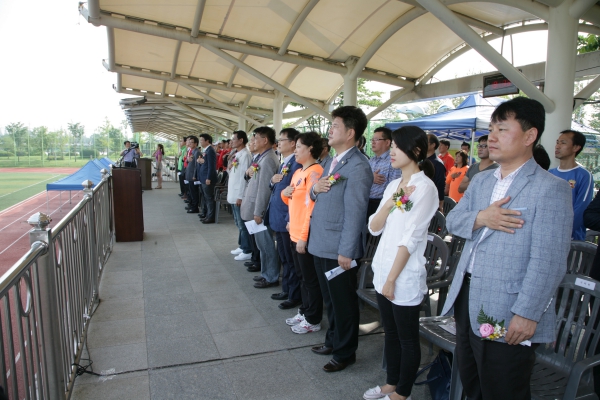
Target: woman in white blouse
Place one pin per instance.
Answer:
(399, 273)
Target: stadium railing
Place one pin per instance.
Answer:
(48, 297)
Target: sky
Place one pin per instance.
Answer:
(53, 74)
(51, 68)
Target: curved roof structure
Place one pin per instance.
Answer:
(220, 65)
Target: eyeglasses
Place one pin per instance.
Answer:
(376, 140)
(482, 146)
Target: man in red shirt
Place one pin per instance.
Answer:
(446, 157)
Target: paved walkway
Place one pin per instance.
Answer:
(180, 319)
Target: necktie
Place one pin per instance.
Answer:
(333, 164)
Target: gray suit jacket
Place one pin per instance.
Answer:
(338, 221)
(515, 273)
(257, 193)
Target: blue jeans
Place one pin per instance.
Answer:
(269, 259)
(244, 236)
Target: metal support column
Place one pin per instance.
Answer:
(350, 84)
(560, 73)
(278, 112)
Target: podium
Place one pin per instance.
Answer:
(127, 204)
(145, 165)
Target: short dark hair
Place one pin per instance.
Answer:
(483, 138)
(410, 138)
(445, 142)
(464, 156)
(311, 139)
(385, 132)
(466, 144)
(193, 138)
(228, 141)
(184, 138)
(206, 137)
(125, 142)
(529, 113)
(290, 133)
(541, 156)
(432, 139)
(241, 135)
(266, 132)
(223, 140)
(325, 143)
(354, 118)
(577, 138)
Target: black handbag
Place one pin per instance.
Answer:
(438, 377)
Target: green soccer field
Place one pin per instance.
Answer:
(16, 187)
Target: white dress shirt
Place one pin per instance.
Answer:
(407, 229)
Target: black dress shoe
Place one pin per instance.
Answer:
(322, 350)
(279, 296)
(263, 284)
(201, 216)
(192, 211)
(249, 264)
(186, 201)
(335, 366)
(258, 278)
(286, 305)
(254, 268)
(180, 194)
(208, 221)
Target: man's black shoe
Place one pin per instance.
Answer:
(180, 194)
(248, 263)
(279, 296)
(253, 268)
(192, 211)
(322, 350)
(201, 216)
(208, 221)
(335, 366)
(258, 278)
(286, 305)
(263, 284)
(186, 201)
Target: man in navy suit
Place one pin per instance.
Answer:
(207, 175)
(277, 216)
(337, 230)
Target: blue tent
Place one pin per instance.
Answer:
(107, 162)
(90, 171)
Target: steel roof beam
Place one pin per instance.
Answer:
(175, 59)
(579, 7)
(110, 36)
(482, 47)
(235, 71)
(266, 79)
(198, 18)
(586, 92)
(296, 26)
(205, 117)
(533, 8)
(393, 98)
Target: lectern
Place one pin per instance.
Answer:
(127, 204)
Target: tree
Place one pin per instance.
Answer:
(39, 140)
(18, 131)
(587, 44)
(77, 130)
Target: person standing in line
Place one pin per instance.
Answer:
(483, 165)
(180, 171)
(325, 153)
(445, 156)
(253, 265)
(440, 171)
(383, 172)
(456, 175)
(236, 184)
(399, 273)
(190, 175)
(466, 147)
(207, 175)
(297, 196)
(158, 156)
(568, 146)
(337, 233)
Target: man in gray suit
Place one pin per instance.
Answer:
(336, 233)
(256, 200)
(517, 221)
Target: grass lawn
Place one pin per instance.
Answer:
(36, 161)
(15, 188)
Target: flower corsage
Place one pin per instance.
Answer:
(401, 202)
(234, 163)
(490, 329)
(335, 178)
(255, 168)
(285, 170)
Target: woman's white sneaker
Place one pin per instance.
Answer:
(237, 251)
(375, 393)
(295, 320)
(306, 327)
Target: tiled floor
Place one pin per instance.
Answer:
(180, 319)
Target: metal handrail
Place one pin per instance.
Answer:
(46, 297)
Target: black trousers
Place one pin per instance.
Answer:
(130, 164)
(341, 302)
(255, 251)
(290, 283)
(372, 207)
(490, 370)
(194, 195)
(208, 196)
(312, 299)
(402, 347)
(182, 185)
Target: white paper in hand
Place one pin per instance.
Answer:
(253, 227)
(197, 183)
(186, 182)
(332, 273)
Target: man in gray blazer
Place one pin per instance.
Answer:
(517, 221)
(256, 200)
(336, 233)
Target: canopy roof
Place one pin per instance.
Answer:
(90, 171)
(472, 115)
(216, 65)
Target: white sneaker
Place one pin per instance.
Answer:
(237, 251)
(388, 398)
(295, 320)
(243, 257)
(375, 393)
(306, 327)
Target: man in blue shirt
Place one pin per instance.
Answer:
(130, 155)
(380, 163)
(568, 145)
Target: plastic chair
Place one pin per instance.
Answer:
(581, 257)
(438, 224)
(592, 236)
(449, 204)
